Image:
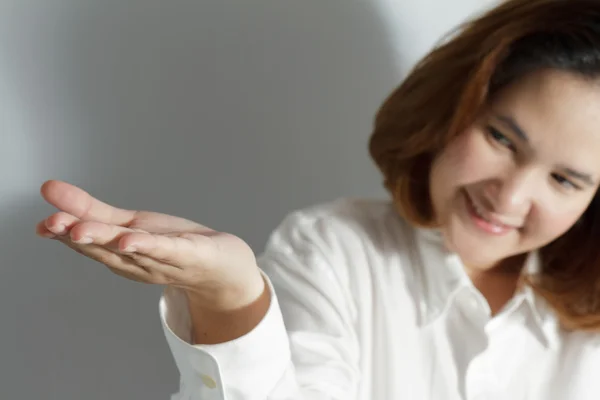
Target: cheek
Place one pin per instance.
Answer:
(455, 166)
(464, 161)
(549, 225)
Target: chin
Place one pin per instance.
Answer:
(479, 261)
(474, 253)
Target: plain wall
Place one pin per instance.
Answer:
(231, 113)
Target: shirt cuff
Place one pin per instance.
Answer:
(247, 367)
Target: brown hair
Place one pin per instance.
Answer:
(449, 88)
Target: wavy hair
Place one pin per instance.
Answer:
(449, 88)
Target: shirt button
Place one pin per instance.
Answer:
(208, 381)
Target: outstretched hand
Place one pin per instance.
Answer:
(152, 247)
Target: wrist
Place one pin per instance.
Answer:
(228, 318)
(227, 298)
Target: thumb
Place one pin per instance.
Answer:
(79, 203)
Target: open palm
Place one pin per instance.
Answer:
(145, 246)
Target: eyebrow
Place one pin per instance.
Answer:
(512, 124)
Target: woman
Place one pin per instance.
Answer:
(480, 280)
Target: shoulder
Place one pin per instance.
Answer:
(352, 239)
(578, 362)
(341, 250)
(342, 224)
(584, 346)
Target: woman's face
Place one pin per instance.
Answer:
(523, 173)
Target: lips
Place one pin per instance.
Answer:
(482, 213)
(484, 219)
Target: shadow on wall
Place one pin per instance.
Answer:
(228, 113)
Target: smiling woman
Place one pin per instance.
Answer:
(480, 278)
(527, 188)
(517, 165)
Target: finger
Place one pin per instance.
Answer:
(108, 258)
(164, 223)
(88, 232)
(57, 224)
(180, 250)
(79, 203)
(158, 272)
(136, 267)
(115, 239)
(61, 223)
(125, 242)
(43, 231)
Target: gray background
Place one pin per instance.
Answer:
(231, 113)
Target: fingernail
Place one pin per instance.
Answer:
(84, 240)
(130, 249)
(59, 229)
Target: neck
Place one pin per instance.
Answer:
(508, 266)
(499, 282)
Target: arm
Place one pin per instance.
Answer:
(313, 355)
(214, 327)
(304, 347)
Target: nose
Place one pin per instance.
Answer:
(511, 195)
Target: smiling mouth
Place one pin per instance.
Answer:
(484, 221)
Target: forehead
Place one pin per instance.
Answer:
(560, 114)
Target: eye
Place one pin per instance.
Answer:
(564, 182)
(501, 139)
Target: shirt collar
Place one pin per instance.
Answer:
(542, 312)
(439, 285)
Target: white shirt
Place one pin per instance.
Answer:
(366, 307)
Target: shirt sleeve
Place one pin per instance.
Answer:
(304, 348)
